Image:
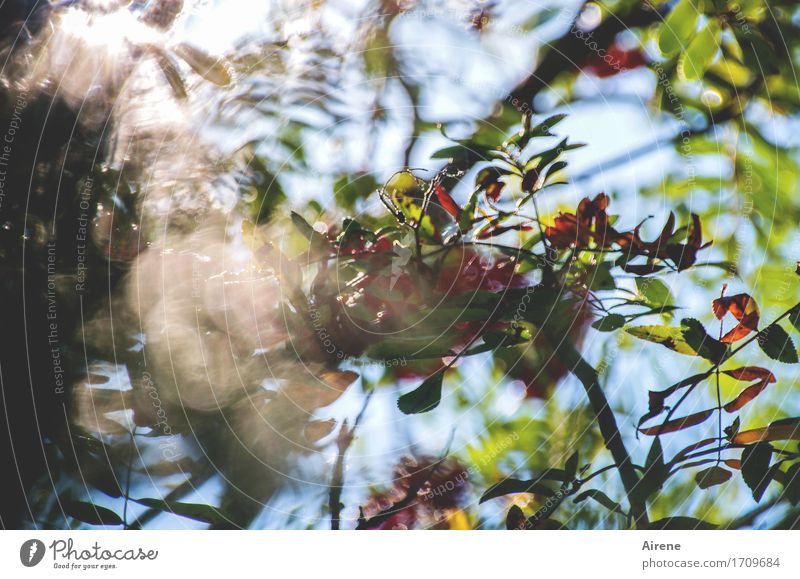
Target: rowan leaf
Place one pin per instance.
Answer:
(713, 476)
(423, 399)
(776, 343)
(609, 323)
(785, 429)
(195, 511)
(91, 514)
(756, 459)
(678, 28)
(791, 484)
(744, 309)
(601, 498)
(678, 423)
(701, 52)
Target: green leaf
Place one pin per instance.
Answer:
(318, 241)
(601, 498)
(349, 189)
(465, 219)
(609, 323)
(268, 192)
(678, 28)
(667, 336)
(198, 512)
(465, 154)
(571, 466)
(654, 291)
(543, 128)
(425, 398)
(776, 343)
(303, 226)
(512, 486)
(701, 52)
(91, 513)
(554, 168)
(755, 468)
(681, 524)
(698, 339)
(791, 485)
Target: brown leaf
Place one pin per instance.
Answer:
(339, 379)
(515, 520)
(713, 476)
(677, 424)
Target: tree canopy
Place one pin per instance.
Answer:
(400, 264)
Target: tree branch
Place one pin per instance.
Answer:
(584, 372)
(345, 439)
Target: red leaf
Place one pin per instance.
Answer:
(577, 229)
(493, 190)
(695, 237)
(614, 61)
(748, 374)
(447, 202)
(668, 230)
(745, 396)
(691, 448)
(786, 429)
(744, 309)
(564, 231)
(677, 424)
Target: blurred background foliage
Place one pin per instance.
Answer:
(313, 106)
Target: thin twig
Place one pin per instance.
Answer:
(345, 439)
